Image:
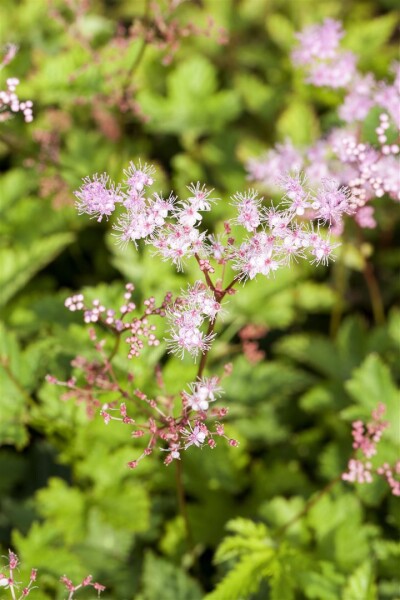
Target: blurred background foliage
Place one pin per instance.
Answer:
(68, 504)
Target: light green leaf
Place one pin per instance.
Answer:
(19, 264)
(13, 397)
(298, 122)
(361, 585)
(372, 384)
(244, 579)
(161, 579)
(64, 507)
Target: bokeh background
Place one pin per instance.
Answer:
(197, 109)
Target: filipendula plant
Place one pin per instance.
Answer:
(256, 242)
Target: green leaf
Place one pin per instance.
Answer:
(64, 507)
(20, 264)
(394, 326)
(163, 580)
(314, 351)
(133, 503)
(372, 384)
(245, 578)
(361, 585)
(250, 537)
(367, 37)
(14, 185)
(281, 30)
(322, 584)
(193, 105)
(14, 397)
(298, 122)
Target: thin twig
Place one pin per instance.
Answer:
(4, 362)
(182, 502)
(374, 294)
(311, 502)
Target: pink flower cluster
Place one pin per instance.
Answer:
(186, 317)
(162, 425)
(8, 581)
(365, 441)
(319, 50)
(9, 101)
(173, 227)
(138, 328)
(368, 170)
(179, 433)
(87, 581)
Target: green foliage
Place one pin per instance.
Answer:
(163, 580)
(258, 528)
(192, 105)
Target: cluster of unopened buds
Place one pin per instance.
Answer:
(173, 434)
(87, 581)
(176, 434)
(369, 170)
(365, 440)
(138, 327)
(9, 101)
(8, 581)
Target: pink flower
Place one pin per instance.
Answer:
(318, 42)
(195, 436)
(203, 392)
(138, 177)
(359, 100)
(247, 205)
(331, 202)
(97, 196)
(335, 74)
(269, 168)
(365, 217)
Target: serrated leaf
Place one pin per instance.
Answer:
(162, 579)
(193, 105)
(13, 397)
(298, 122)
(315, 351)
(244, 579)
(368, 36)
(372, 384)
(20, 264)
(247, 528)
(361, 585)
(322, 584)
(64, 507)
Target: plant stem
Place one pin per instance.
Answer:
(140, 54)
(374, 294)
(340, 276)
(204, 356)
(182, 502)
(6, 366)
(218, 295)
